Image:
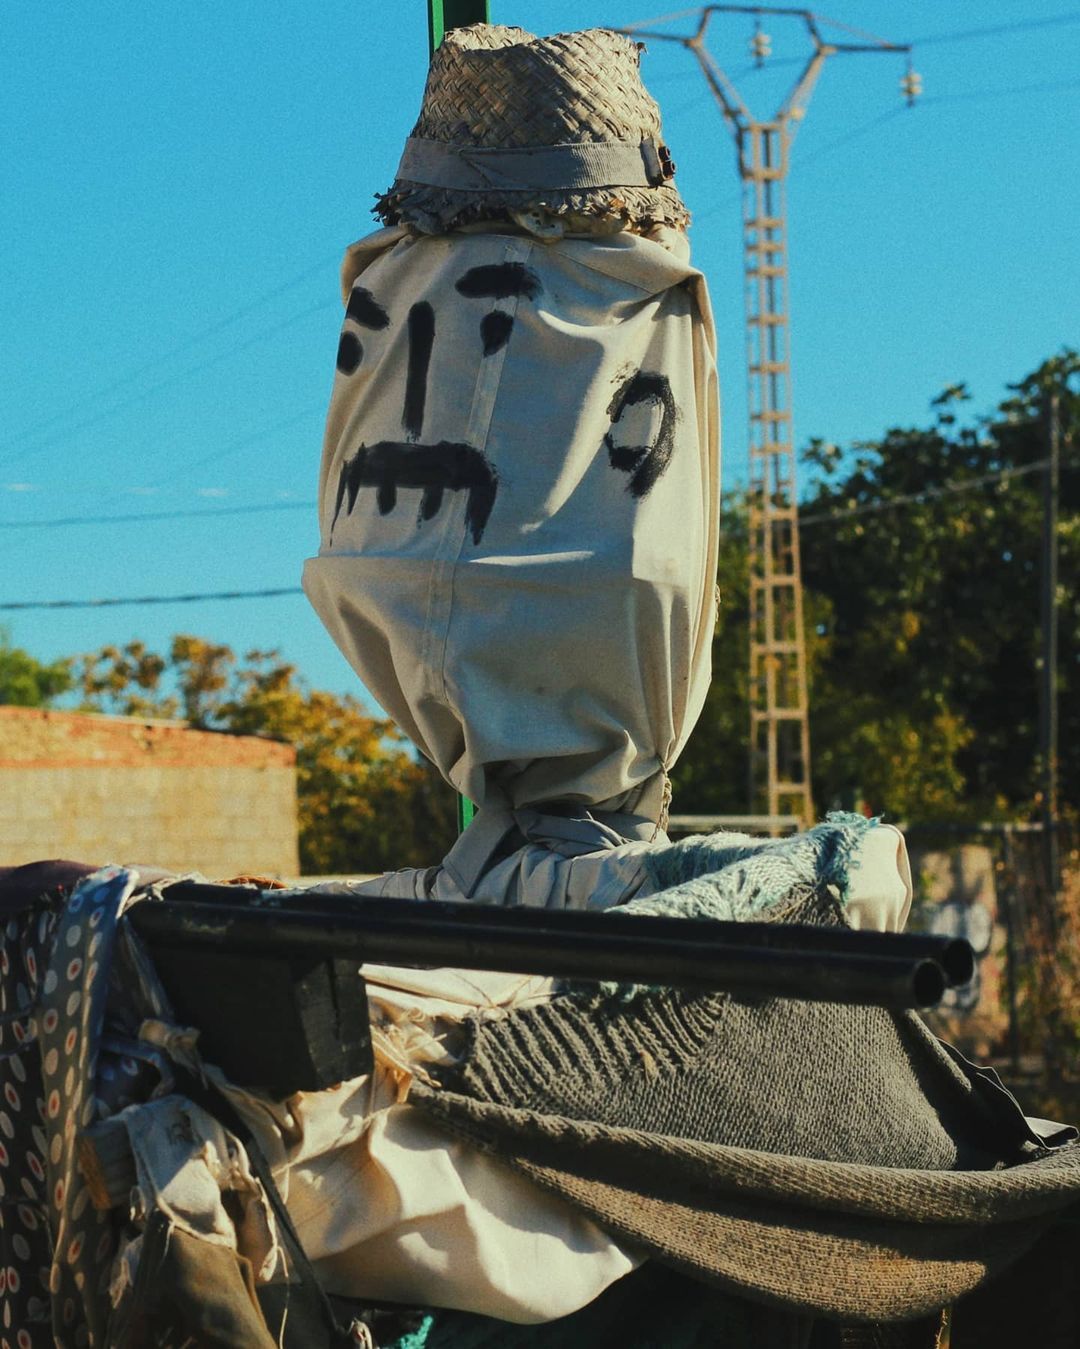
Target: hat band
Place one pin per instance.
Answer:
(563, 168)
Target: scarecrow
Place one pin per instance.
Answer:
(519, 492)
(518, 504)
(519, 486)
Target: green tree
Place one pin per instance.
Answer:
(920, 560)
(26, 682)
(364, 803)
(928, 554)
(711, 776)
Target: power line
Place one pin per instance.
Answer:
(143, 394)
(185, 469)
(800, 162)
(668, 18)
(930, 494)
(861, 33)
(966, 34)
(137, 516)
(1045, 87)
(889, 503)
(963, 35)
(152, 599)
(216, 455)
(844, 513)
(35, 428)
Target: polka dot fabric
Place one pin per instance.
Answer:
(25, 1234)
(58, 1071)
(70, 1023)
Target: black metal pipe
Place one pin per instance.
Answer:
(375, 914)
(688, 953)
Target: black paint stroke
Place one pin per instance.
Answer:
(498, 281)
(495, 329)
(646, 464)
(365, 310)
(445, 467)
(350, 353)
(421, 340)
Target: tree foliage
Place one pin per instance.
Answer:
(26, 682)
(921, 566)
(364, 803)
(935, 636)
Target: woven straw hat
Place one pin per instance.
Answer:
(558, 126)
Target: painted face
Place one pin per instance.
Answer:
(520, 469)
(435, 468)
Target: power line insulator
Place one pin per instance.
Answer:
(911, 85)
(760, 46)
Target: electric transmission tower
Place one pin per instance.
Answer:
(779, 725)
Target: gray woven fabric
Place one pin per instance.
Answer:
(829, 1159)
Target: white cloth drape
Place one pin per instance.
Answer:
(518, 506)
(389, 1207)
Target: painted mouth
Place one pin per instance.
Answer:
(392, 465)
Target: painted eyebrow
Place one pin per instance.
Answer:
(364, 309)
(498, 281)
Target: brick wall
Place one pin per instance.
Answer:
(121, 789)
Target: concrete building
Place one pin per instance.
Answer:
(125, 789)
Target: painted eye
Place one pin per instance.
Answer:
(495, 330)
(350, 353)
(501, 281)
(366, 312)
(644, 464)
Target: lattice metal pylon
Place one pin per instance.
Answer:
(779, 710)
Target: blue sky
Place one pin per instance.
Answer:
(180, 181)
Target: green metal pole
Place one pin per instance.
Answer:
(446, 14)
(442, 16)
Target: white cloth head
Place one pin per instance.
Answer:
(519, 504)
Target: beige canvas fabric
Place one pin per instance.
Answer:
(390, 1208)
(518, 506)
